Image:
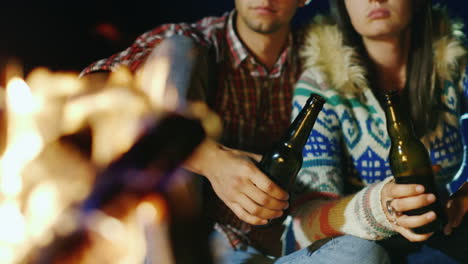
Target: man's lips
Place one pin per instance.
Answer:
(264, 10)
(379, 13)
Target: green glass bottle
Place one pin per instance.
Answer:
(284, 160)
(281, 164)
(409, 160)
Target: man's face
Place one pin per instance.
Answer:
(266, 16)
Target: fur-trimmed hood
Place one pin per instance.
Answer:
(340, 67)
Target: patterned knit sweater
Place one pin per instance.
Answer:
(349, 144)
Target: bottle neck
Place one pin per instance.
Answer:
(301, 127)
(399, 125)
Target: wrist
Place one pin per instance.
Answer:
(202, 157)
(382, 211)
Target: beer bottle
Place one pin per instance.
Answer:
(283, 161)
(409, 160)
(281, 164)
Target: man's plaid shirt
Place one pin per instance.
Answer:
(253, 102)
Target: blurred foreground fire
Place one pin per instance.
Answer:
(68, 200)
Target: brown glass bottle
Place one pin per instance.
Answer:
(283, 161)
(409, 160)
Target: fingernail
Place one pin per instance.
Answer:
(431, 215)
(431, 198)
(420, 188)
(286, 206)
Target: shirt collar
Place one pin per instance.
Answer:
(236, 47)
(240, 53)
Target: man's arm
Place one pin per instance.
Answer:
(134, 56)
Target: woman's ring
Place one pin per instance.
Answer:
(394, 213)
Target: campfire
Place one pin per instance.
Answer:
(63, 138)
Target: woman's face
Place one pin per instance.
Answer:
(378, 19)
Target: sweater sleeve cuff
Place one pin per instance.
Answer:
(365, 215)
(378, 212)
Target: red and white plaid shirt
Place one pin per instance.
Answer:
(253, 102)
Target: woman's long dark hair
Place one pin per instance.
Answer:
(420, 91)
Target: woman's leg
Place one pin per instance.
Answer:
(344, 249)
(340, 250)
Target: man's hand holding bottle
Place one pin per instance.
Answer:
(238, 182)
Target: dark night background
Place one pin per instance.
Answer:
(65, 35)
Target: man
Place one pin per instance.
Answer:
(257, 67)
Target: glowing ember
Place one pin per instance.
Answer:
(152, 214)
(103, 111)
(153, 79)
(42, 209)
(23, 140)
(12, 224)
(23, 144)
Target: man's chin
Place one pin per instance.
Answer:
(265, 29)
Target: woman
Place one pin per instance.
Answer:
(375, 47)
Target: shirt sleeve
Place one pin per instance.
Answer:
(134, 56)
